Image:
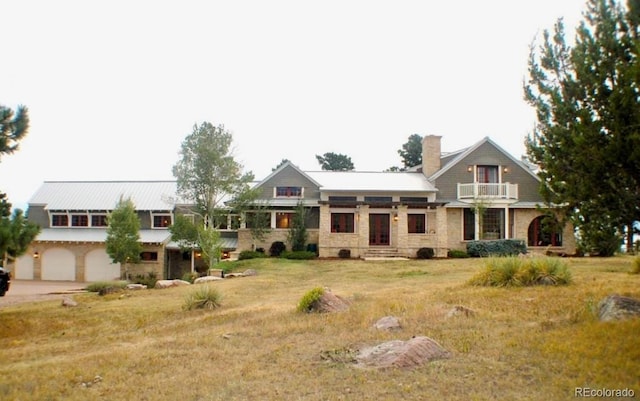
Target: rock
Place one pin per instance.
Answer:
(250, 272)
(329, 302)
(68, 302)
(170, 283)
(616, 307)
(135, 287)
(206, 279)
(388, 323)
(233, 275)
(402, 354)
(460, 310)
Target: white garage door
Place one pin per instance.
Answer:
(58, 264)
(23, 268)
(98, 266)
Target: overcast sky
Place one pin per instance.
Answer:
(113, 87)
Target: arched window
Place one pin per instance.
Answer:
(543, 232)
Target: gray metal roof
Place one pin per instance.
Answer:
(371, 181)
(104, 195)
(97, 235)
(225, 243)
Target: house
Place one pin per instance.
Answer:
(434, 205)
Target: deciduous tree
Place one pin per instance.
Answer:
(16, 232)
(123, 235)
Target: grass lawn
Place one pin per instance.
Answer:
(535, 343)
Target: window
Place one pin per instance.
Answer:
(488, 174)
(161, 220)
(149, 256)
(413, 200)
(491, 225)
(342, 223)
(283, 220)
(544, 231)
(288, 192)
(79, 220)
(59, 220)
(258, 220)
(469, 225)
(99, 220)
(416, 223)
(378, 199)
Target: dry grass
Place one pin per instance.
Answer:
(522, 344)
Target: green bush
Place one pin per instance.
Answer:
(309, 300)
(101, 285)
(190, 276)
(425, 253)
(516, 272)
(457, 253)
(204, 296)
(298, 255)
(344, 253)
(501, 247)
(277, 248)
(635, 265)
(149, 280)
(251, 255)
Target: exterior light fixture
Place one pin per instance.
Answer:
(395, 217)
(36, 255)
(505, 169)
(469, 169)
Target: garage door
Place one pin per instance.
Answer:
(23, 268)
(58, 264)
(98, 266)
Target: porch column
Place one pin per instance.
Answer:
(506, 222)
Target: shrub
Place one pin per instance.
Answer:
(344, 253)
(190, 276)
(277, 248)
(309, 299)
(635, 265)
(298, 255)
(425, 253)
(516, 272)
(457, 253)
(101, 285)
(204, 296)
(251, 255)
(149, 280)
(501, 247)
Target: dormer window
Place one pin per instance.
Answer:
(487, 175)
(162, 220)
(288, 192)
(59, 220)
(79, 220)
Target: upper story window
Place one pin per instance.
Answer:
(378, 199)
(161, 220)
(79, 220)
(59, 220)
(99, 220)
(288, 192)
(487, 174)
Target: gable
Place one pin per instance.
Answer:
(288, 176)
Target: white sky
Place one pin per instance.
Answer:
(113, 87)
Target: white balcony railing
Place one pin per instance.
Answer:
(491, 191)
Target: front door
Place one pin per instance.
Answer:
(378, 229)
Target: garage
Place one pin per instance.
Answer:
(23, 268)
(98, 266)
(58, 264)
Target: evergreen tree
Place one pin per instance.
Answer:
(587, 135)
(335, 162)
(123, 235)
(411, 152)
(13, 127)
(298, 234)
(16, 232)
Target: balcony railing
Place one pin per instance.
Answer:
(491, 191)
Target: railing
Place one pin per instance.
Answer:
(492, 191)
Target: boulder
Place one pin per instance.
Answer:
(250, 272)
(617, 307)
(401, 354)
(329, 302)
(170, 283)
(388, 323)
(135, 287)
(206, 279)
(68, 302)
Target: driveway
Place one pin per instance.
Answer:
(22, 291)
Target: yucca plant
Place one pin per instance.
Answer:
(204, 296)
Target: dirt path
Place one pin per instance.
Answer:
(23, 291)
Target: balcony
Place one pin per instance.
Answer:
(487, 191)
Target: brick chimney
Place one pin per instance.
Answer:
(430, 154)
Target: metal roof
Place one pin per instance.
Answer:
(97, 235)
(371, 181)
(104, 195)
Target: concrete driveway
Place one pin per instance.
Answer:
(22, 291)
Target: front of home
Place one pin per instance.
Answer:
(477, 193)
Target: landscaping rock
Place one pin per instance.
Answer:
(206, 279)
(388, 323)
(460, 310)
(329, 302)
(401, 354)
(616, 307)
(250, 272)
(135, 287)
(170, 283)
(68, 302)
